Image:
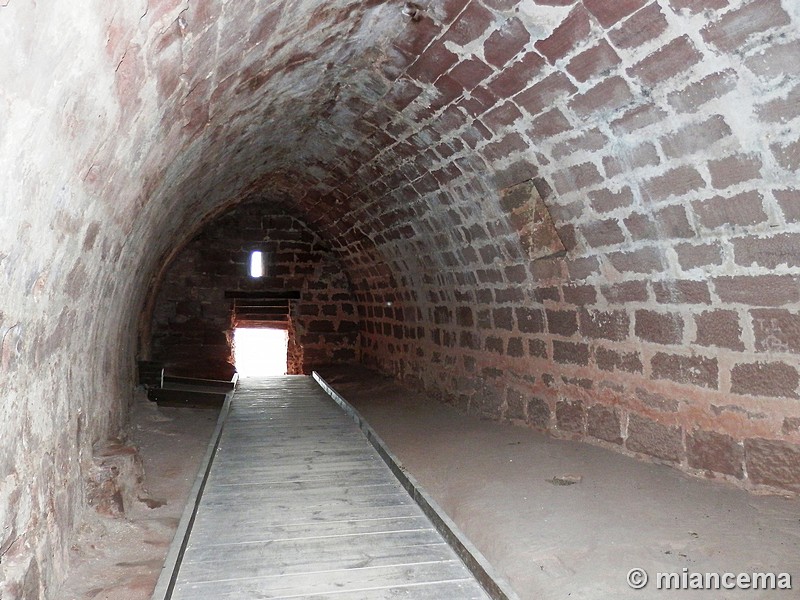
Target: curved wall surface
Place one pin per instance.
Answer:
(581, 215)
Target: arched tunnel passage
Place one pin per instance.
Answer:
(641, 294)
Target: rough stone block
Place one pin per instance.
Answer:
(603, 422)
(693, 370)
(773, 462)
(652, 438)
(774, 379)
(570, 416)
(719, 328)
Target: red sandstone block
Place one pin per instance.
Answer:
(603, 423)
(776, 330)
(681, 292)
(570, 416)
(675, 182)
(582, 295)
(644, 260)
(773, 462)
(692, 370)
(611, 360)
(545, 93)
(574, 29)
(673, 58)
(548, 124)
(416, 37)
(537, 348)
(470, 24)
(693, 6)
(562, 322)
(402, 93)
(652, 438)
(694, 137)
(715, 452)
(659, 328)
(470, 72)
(643, 155)
(464, 316)
(605, 200)
(517, 76)
(500, 4)
(739, 210)
(588, 141)
(608, 325)
(627, 291)
(691, 256)
(576, 177)
(609, 13)
(570, 353)
(642, 27)
(638, 118)
(529, 320)
(773, 379)
(506, 42)
(768, 252)
(608, 95)
(758, 290)
(699, 93)
(732, 30)
(503, 148)
(668, 223)
(781, 110)
(581, 268)
(776, 61)
(731, 170)
(509, 295)
(503, 318)
(720, 329)
(594, 61)
(436, 61)
(494, 344)
(789, 201)
(502, 116)
(787, 155)
(602, 233)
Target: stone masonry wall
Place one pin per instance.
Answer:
(193, 321)
(664, 140)
(660, 135)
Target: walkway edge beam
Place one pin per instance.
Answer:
(169, 572)
(474, 560)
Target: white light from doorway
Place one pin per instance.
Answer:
(256, 264)
(260, 352)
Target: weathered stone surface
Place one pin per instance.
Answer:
(655, 439)
(715, 452)
(603, 422)
(389, 138)
(773, 462)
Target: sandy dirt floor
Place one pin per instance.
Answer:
(495, 481)
(121, 558)
(575, 541)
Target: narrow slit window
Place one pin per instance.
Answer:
(256, 264)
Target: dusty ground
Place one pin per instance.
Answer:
(549, 541)
(121, 558)
(576, 541)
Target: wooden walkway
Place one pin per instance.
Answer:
(298, 504)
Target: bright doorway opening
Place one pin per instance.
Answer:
(258, 352)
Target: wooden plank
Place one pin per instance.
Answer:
(327, 582)
(297, 503)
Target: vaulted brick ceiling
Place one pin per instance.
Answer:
(660, 136)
